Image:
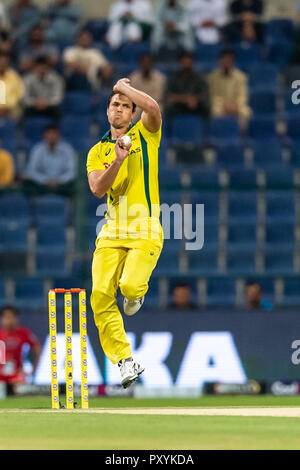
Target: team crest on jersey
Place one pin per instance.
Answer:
(107, 165)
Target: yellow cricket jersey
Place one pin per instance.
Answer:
(133, 200)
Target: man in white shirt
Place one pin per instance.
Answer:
(85, 61)
(207, 17)
(128, 19)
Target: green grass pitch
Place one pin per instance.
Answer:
(31, 428)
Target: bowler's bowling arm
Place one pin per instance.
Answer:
(101, 181)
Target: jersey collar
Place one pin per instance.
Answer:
(107, 135)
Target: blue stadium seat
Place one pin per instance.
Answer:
(263, 102)
(224, 129)
(295, 155)
(263, 76)
(247, 54)
(14, 207)
(231, 155)
(243, 178)
(13, 236)
(280, 28)
(211, 235)
(168, 263)
(203, 262)
(171, 197)
(130, 52)
(293, 125)
(241, 236)
(94, 204)
(170, 178)
(8, 133)
(50, 263)
(51, 238)
(280, 262)
(261, 128)
(152, 297)
(220, 292)
(280, 206)
(34, 128)
(279, 52)
(207, 56)
(291, 296)
(29, 293)
(210, 201)
(77, 103)
(242, 206)
(292, 110)
(2, 292)
(186, 129)
(280, 178)
(280, 235)
(204, 178)
(241, 261)
(75, 126)
(97, 27)
(267, 153)
(51, 209)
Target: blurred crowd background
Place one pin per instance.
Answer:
(222, 72)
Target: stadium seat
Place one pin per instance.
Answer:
(224, 129)
(241, 261)
(50, 263)
(267, 153)
(279, 52)
(291, 296)
(14, 207)
(2, 292)
(261, 128)
(210, 201)
(204, 178)
(186, 130)
(295, 155)
(280, 206)
(75, 127)
(207, 56)
(97, 27)
(34, 128)
(14, 236)
(263, 102)
(280, 262)
(220, 292)
(247, 54)
(152, 297)
(29, 293)
(291, 108)
(293, 125)
(242, 206)
(203, 262)
(51, 209)
(280, 28)
(168, 262)
(8, 133)
(130, 52)
(170, 178)
(211, 235)
(263, 76)
(280, 178)
(280, 235)
(51, 238)
(77, 103)
(230, 155)
(241, 236)
(243, 178)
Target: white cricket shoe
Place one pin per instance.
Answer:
(138, 368)
(131, 307)
(128, 372)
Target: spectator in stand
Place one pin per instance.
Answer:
(172, 28)
(12, 89)
(64, 21)
(37, 47)
(6, 44)
(4, 20)
(148, 80)
(229, 90)
(7, 168)
(255, 299)
(23, 15)
(44, 90)
(247, 24)
(130, 21)
(182, 298)
(86, 67)
(15, 337)
(208, 17)
(187, 91)
(52, 163)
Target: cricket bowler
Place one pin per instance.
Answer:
(124, 165)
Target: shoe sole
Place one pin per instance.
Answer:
(127, 382)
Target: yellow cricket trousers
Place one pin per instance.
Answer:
(127, 264)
